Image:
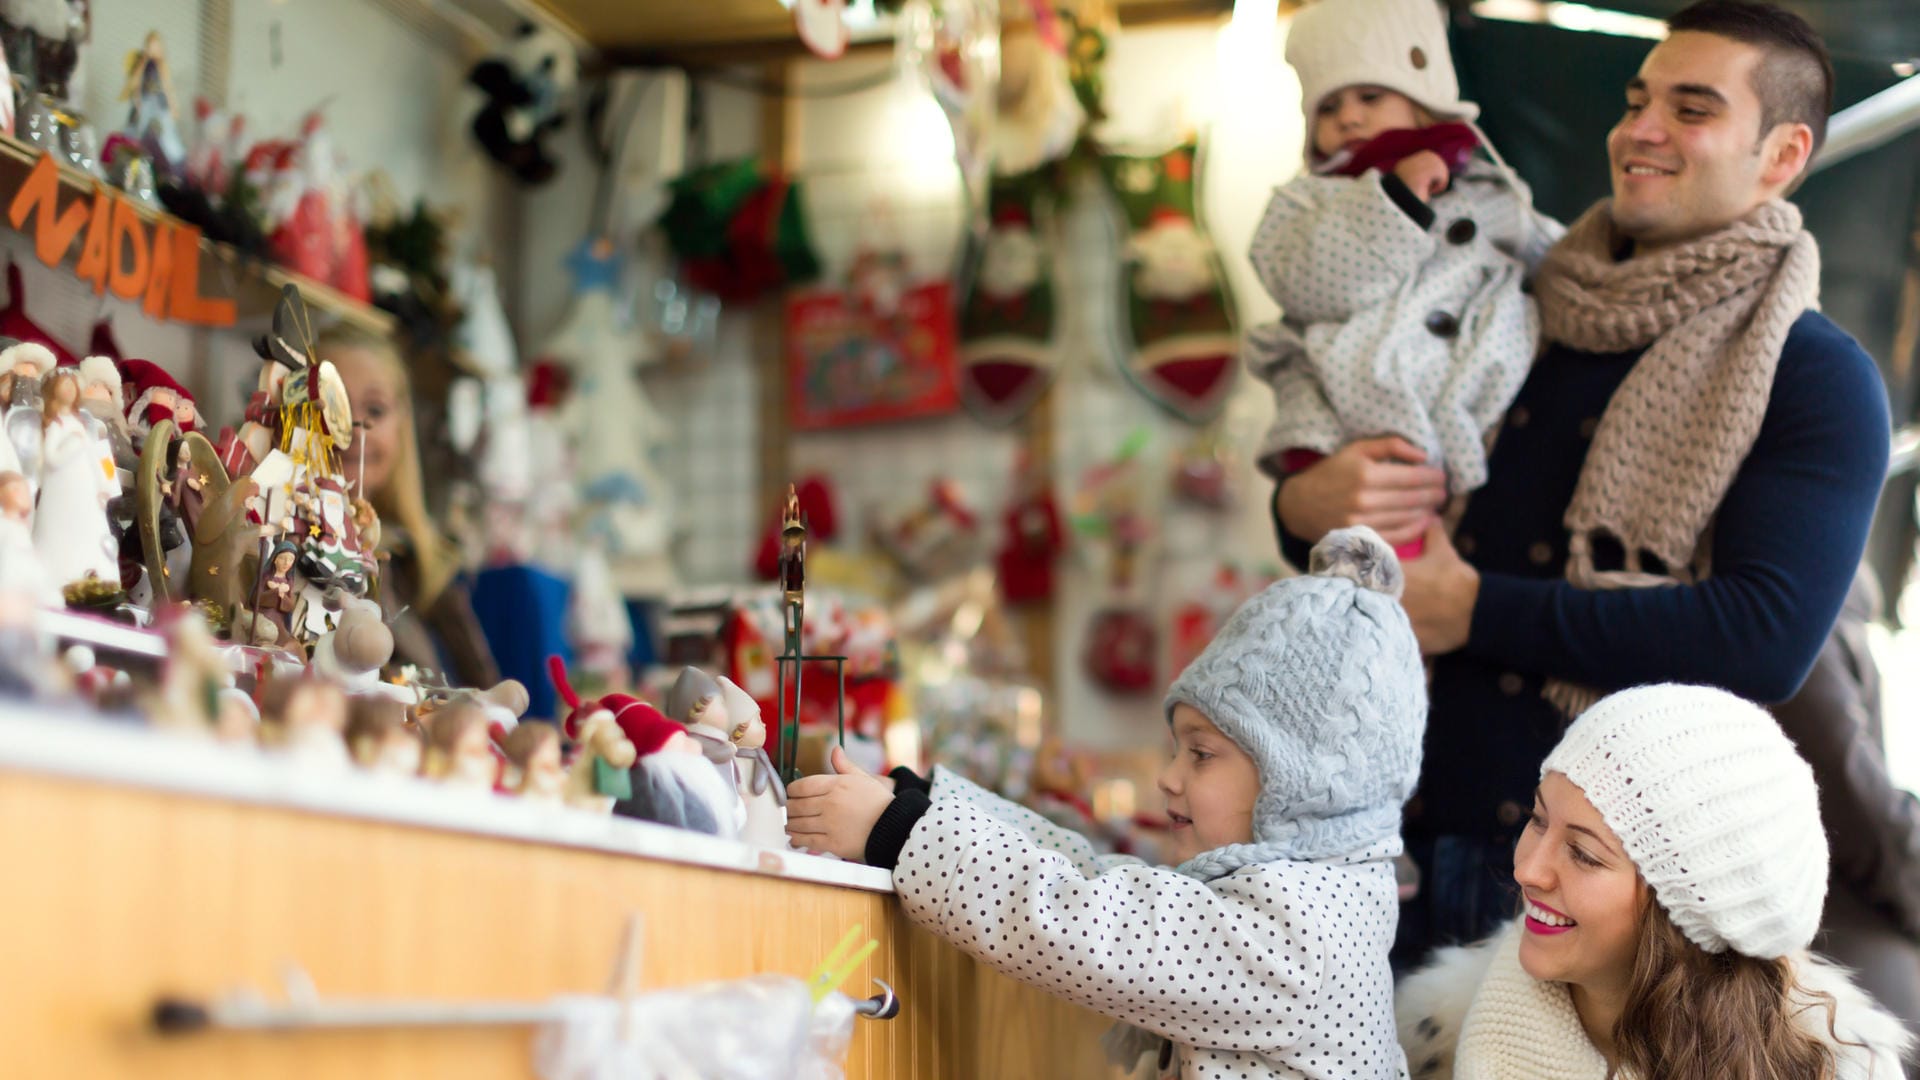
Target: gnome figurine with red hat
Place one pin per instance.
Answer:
(156, 397)
(669, 780)
(673, 784)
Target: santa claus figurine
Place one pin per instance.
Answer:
(22, 366)
(101, 400)
(156, 397)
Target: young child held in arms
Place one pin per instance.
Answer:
(1296, 738)
(1397, 261)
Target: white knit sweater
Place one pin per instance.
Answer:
(1278, 970)
(1475, 1014)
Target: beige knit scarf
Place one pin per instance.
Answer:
(1712, 315)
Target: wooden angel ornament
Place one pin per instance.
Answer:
(535, 753)
(380, 738)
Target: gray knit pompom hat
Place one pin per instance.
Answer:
(1318, 679)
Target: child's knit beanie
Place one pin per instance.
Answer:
(1318, 679)
(1716, 810)
(1398, 44)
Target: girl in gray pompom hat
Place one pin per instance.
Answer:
(1264, 953)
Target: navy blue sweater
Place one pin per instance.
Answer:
(1786, 543)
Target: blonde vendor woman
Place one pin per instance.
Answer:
(1672, 875)
(420, 592)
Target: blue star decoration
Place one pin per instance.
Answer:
(595, 265)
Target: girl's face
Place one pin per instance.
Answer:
(1584, 898)
(1353, 114)
(64, 393)
(379, 421)
(1210, 784)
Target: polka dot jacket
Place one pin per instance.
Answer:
(1277, 970)
(1398, 317)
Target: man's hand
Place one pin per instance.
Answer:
(1381, 483)
(1424, 173)
(835, 813)
(1440, 594)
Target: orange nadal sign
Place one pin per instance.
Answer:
(157, 264)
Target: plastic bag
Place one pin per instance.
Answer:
(763, 1028)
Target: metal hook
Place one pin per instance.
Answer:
(884, 1005)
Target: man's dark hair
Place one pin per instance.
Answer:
(1795, 78)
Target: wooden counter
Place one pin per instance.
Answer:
(138, 865)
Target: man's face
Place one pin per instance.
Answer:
(1688, 156)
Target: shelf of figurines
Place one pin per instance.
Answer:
(78, 743)
(131, 237)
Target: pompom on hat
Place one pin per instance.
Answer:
(1714, 807)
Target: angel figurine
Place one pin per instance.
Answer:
(757, 780)
(150, 118)
(70, 527)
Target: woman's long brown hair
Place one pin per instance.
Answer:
(403, 501)
(1716, 1016)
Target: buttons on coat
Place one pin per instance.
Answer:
(1509, 813)
(1518, 416)
(1511, 684)
(1462, 231)
(1442, 324)
(1540, 553)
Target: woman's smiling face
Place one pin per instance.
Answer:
(1584, 897)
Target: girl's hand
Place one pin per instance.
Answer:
(835, 813)
(1425, 174)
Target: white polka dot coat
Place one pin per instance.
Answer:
(1277, 970)
(1392, 327)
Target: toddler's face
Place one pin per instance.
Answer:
(1352, 115)
(1210, 784)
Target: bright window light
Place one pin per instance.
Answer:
(1570, 16)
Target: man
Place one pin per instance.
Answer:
(1680, 492)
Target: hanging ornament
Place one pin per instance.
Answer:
(1179, 314)
(1039, 117)
(955, 46)
(822, 26)
(1007, 326)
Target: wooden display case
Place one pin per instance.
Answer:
(141, 865)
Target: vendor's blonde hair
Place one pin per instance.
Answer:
(403, 500)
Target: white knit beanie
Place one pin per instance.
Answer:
(1398, 44)
(1716, 810)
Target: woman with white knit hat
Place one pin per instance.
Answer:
(1672, 875)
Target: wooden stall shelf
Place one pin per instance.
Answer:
(142, 866)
